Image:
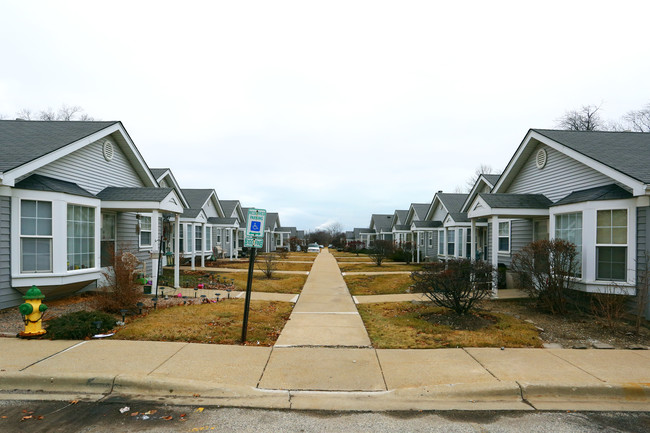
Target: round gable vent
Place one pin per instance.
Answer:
(540, 159)
(108, 150)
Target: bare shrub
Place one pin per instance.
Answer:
(381, 250)
(546, 270)
(268, 264)
(121, 290)
(609, 306)
(457, 284)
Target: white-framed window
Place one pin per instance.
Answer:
(190, 235)
(208, 238)
(468, 243)
(611, 244)
(451, 242)
(227, 236)
(35, 236)
(219, 236)
(145, 231)
(568, 226)
(421, 236)
(108, 239)
(430, 237)
(441, 242)
(504, 236)
(181, 245)
(198, 238)
(81, 237)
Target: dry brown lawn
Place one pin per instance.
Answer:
(406, 325)
(259, 264)
(280, 283)
(218, 323)
(385, 267)
(378, 284)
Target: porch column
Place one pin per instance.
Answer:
(190, 229)
(232, 240)
(237, 242)
(495, 255)
(203, 233)
(472, 242)
(155, 251)
(177, 247)
(418, 258)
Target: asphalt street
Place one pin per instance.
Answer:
(118, 415)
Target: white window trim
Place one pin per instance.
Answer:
(500, 251)
(596, 244)
(140, 244)
(441, 242)
(208, 238)
(60, 273)
(50, 237)
(588, 210)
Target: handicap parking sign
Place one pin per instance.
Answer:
(256, 221)
(256, 226)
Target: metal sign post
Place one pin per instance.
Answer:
(254, 239)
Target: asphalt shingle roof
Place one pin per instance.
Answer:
(196, 198)
(228, 206)
(427, 224)
(627, 152)
(453, 202)
(401, 215)
(22, 141)
(224, 221)
(402, 227)
(513, 201)
(492, 178)
(607, 192)
(113, 193)
(191, 213)
(157, 172)
(272, 218)
(38, 182)
(420, 209)
(383, 222)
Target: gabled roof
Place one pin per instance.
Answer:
(191, 213)
(229, 206)
(113, 193)
(197, 198)
(401, 227)
(26, 146)
(242, 223)
(517, 201)
(22, 141)
(622, 156)
(159, 172)
(381, 222)
(400, 216)
(358, 230)
(627, 152)
(607, 192)
(452, 202)
(426, 224)
(222, 221)
(272, 220)
(491, 178)
(420, 209)
(290, 230)
(37, 182)
(349, 234)
(488, 180)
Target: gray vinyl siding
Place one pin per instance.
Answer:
(9, 297)
(643, 248)
(521, 234)
(127, 238)
(87, 168)
(432, 252)
(439, 213)
(558, 178)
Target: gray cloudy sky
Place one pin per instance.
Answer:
(325, 111)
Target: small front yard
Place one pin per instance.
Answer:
(378, 284)
(407, 325)
(280, 283)
(385, 267)
(216, 323)
(259, 264)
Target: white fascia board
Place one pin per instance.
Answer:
(478, 208)
(171, 203)
(176, 186)
(473, 193)
(11, 175)
(638, 188)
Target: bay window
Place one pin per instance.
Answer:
(568, 227)
(451, 242)
(81, 237)
(198, 238)
(441, 242)
(208, 238)
(35, 236)
(611, 244)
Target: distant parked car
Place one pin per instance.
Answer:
(320, 246)
(313, 248)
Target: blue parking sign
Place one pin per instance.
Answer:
(256, 222)
(256, 226)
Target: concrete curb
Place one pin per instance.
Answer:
(72, 383)
(548, 396)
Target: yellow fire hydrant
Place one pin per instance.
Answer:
(32, 311)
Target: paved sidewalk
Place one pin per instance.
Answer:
(325, 314)
(326, 377)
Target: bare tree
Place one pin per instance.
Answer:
(381, 250)
(268, 264)
(65, 113)
(481, 169)
(638, 120)
(586, 118)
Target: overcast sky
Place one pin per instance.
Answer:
(325, 111)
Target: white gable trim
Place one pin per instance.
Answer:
(171, 203)
(638, 188)
(9, 177)
(176, 186)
